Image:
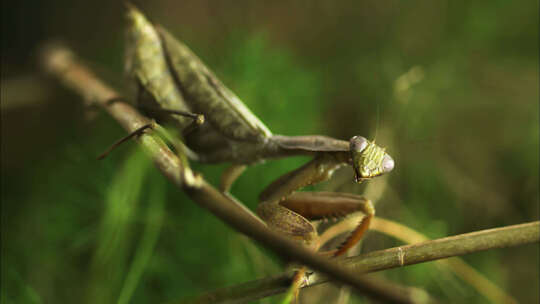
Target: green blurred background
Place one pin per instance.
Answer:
(449, 87)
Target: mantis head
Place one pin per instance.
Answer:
(368, 159)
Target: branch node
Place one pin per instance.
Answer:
(401, 257)
(192, 179)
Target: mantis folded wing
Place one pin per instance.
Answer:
(172, 78)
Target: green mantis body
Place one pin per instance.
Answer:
(172, 77)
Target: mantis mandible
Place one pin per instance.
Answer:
(172, 79)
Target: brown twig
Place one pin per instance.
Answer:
(458, 266)
(409, 236)
(508, 236)
(60, 62)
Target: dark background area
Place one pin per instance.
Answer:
(449, 87)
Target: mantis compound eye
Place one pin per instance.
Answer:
(358, 143)
(387, 164)
(368, 159)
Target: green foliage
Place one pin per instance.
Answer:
(464, 133)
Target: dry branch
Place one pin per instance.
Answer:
(508, 236)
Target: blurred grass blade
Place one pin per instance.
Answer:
(154, 220)
(17, 290)
(114, 241)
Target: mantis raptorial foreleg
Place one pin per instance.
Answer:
(290, 213)
(321, 205)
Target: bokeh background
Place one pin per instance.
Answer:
(449, 87)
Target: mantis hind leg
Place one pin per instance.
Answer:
(197, 120)
(175, 142)
(137, 132)
(229, 176)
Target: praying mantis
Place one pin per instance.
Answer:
(174, 83)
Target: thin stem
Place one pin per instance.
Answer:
(461, 269)
(508, 236)
(409, 236)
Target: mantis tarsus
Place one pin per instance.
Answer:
(172, 78)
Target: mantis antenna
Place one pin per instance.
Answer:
(377, 120)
